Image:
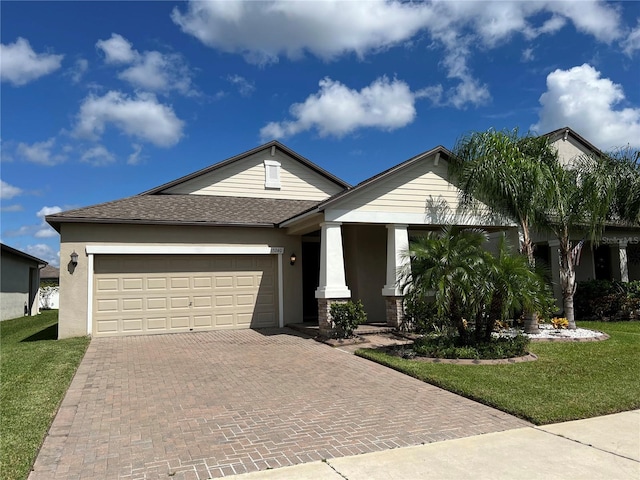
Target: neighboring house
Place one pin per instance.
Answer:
(263, 239)
(617, 257)
(19, 283)
(49, 287)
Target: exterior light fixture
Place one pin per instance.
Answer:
(292, 259)
(74, 258)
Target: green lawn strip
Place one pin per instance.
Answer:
(569, 381)
(35, 372)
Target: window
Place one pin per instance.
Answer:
(271, 174)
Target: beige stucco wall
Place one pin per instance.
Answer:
(74, 281)
(14, 287)
(365, 250)
(246, 178)
(568, 150)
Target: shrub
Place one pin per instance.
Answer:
(421, 315)
(605, 300)
(560, 323)
(452, 346)
(346, 317)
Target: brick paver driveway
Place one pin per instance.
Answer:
(210, 404)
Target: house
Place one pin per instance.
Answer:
(617, 256)
(263, 239)
(19, 283)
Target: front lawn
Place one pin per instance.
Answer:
(569, 381)
(36, 370)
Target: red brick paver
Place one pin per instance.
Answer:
(210, 404)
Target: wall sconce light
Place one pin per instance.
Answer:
(292, 259)
(74, 258)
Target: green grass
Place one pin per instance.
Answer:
(35, 372)
(569, 381)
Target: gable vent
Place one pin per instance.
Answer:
(271, 174)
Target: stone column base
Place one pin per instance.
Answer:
(395, 311)
(325, 323)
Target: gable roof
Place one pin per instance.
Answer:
(49, 272)
(440, 151)
(566, 132)
(18, 253)
(186, 210)
(272, 144)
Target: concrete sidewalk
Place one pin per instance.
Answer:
(598, 448)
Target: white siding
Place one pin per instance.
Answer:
(421, 190)
(246, 178)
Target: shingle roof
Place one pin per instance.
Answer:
(8, 249)
(187, 210)
(49, 272)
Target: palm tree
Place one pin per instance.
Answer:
(515, 286)
(511, 175)
(448, 265)
(596, 191)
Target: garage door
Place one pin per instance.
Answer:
(144, 294)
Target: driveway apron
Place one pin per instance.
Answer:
(211, 404)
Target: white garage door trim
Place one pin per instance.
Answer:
(92, 250)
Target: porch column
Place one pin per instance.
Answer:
(397, 246)
(554, 263)
(621, 266)
(333, 285)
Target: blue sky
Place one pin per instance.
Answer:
(103, 100)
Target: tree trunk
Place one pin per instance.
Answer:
(530, 318)
(568, 311)
(531, 323)
(568, 281)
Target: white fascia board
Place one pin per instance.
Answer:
(360, 216)
(181, 250)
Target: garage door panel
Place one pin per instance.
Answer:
(107, 285)
(132, 304)
(156, 283)
(107, 305)
(157, 303)
(200, 321)
(156, 294)
(180, 283)
(132, 283)
(202, 302)
(157, 323)
(180, 322)
(132, 325)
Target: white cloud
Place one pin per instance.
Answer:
(592, 105)
(632, 42)
(527, 55)
(12, 208)
(338, 110)
(245, 87)
(7, 191)
(41, 152)
(44, 252)
(117, 50)
(135, 157)
(141, 117)
(19, 64)
(78, 70)
(98, 156)
(149, 70)
(45, 230)
(263, 31)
